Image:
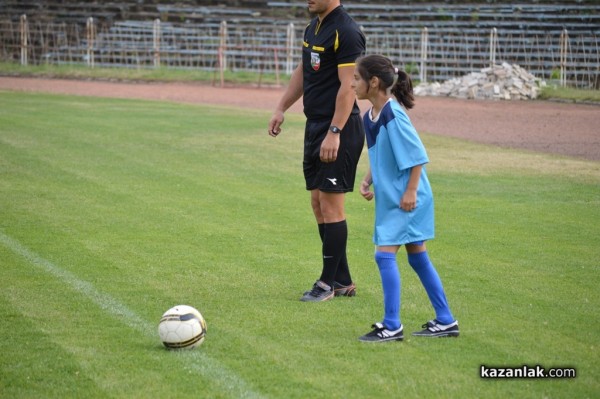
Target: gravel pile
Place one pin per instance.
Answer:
(500, 82)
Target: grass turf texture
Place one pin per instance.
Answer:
(112, 211)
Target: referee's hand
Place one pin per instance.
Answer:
(329, 147)
(275, 124)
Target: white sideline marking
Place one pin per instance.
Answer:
(195, 360)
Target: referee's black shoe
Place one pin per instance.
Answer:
(320, 292)
(344, 290)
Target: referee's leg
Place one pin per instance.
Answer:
(329, 207)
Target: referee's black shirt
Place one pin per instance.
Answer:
(334, 42)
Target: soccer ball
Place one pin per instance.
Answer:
(182, 327)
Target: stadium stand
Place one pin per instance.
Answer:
(258, 33)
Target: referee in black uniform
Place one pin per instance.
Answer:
(334, 135)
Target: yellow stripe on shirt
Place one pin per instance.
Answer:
(336, 44)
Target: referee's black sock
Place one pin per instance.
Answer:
(342, 274)
(335, 237)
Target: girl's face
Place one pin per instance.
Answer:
(360, 86)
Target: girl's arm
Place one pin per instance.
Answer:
(408, 202)
(364, 186)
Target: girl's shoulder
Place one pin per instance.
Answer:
(393, 110)
(397, 107)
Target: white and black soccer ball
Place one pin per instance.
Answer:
(182, 327)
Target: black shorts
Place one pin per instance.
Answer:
(338, 176)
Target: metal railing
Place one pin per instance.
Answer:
(428, 54)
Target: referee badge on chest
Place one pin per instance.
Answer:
(315, 61)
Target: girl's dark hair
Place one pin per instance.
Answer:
(382, 68)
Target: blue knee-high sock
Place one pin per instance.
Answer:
(390, 281)
(433, 285)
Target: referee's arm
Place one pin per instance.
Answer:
(344, 102)
(290, 96)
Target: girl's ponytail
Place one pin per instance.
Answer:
(403, 90)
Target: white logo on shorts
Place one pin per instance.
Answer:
(333, 181)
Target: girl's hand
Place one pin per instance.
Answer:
(409, 200)
(365, 192)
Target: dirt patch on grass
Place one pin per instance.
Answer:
(542, 126)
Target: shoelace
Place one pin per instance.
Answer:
(316, 291)
(433, 326)
(381, 331)
(378, 330)
(430, 324)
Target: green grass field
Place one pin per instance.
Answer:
(112, 211)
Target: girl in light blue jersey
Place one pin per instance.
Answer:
(403, 197)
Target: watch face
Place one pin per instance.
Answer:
(334, 129)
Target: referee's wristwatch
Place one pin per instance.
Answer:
(334, 129)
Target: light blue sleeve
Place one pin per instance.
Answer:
(406, 144)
